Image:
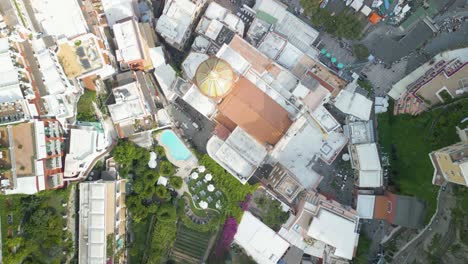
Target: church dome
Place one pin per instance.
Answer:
(214, 77)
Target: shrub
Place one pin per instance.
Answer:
(175, 182)
(360, 51)
(229, 231)
(166, 168)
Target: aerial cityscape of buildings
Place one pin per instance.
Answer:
(209, 94)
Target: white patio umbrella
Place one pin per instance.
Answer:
(194, 175)
(210, 187)
(201, 169)
(152, 161)
(208, 177)
(218, 204)
(203, 205)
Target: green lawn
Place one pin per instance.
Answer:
(363, 248)
(408, 140)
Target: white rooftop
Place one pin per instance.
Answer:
(60, 17)
(370, 171)
(24, 185)
(92, 223)
(365, 206)
(354, 104)
(191, 63)
(238, 63)
(203, 104)
(335, 230)
(259, 241)
(176, 20)
(302, 145)
(127, 36)
(297, 31)
(128, 103)
(325, 119)
(117, 10)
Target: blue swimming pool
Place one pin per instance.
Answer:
(177, 149)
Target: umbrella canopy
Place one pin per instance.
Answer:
(333, 59)
(203, 205)
(340, 65)
(323, 51)
(201, 168)
(218, 204)
(194, 175)
(152, 161)
(211, 188)
(328, 55)
(208, 177)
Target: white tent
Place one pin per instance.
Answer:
(210, 188)
(201, 169)
(162, 181)
(208, 177)
(152, 161)
(194, 175)
(203, 205)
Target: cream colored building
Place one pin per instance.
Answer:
(451, 164)
(102, 222)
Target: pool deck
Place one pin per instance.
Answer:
(184, 166)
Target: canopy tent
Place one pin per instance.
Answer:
(210, 188)
(194, 175)
(203, 205)
(201, 169)
(208, 177)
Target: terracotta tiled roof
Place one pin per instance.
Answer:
(255, 112)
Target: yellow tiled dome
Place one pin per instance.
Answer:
(214, 77)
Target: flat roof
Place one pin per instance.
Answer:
(82, 143)
(368, 156)
(255, 112)
(335, 230)
(203, 104)
(24, 185)
(238, 63)
(60, 17)
(116, 10)
(354, 104)
(128, 103)
(365, 206)
(92, 223)
(325, 119)
(259, 241)
(128, 40)
(176, 19)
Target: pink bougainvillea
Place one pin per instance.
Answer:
(245, 204)
(229, 231)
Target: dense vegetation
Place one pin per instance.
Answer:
(33, 228)
(149, 204)
(344, 24)
(361, 51)
(407, 140)
(153, 208)
(85, 109)
(272, 213)
(190, 245)
(363, 249)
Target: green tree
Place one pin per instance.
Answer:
(166, 168)
(361, 51)
(175, 182)
(162, 192)
(310, 6)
